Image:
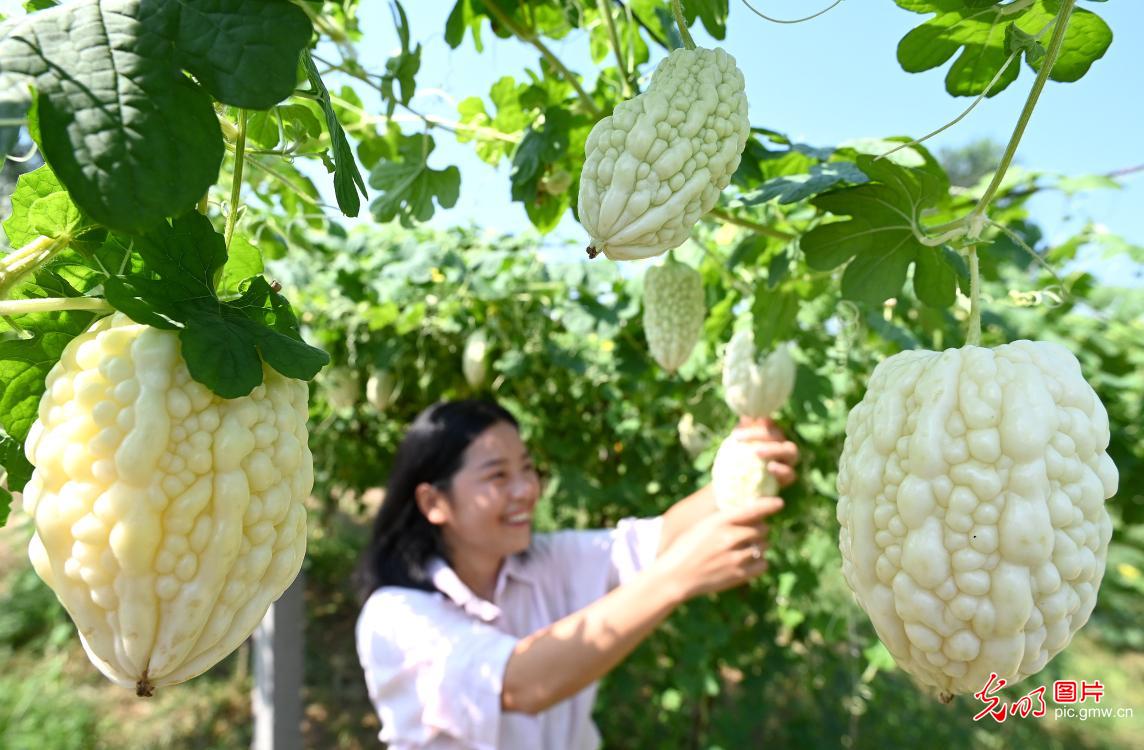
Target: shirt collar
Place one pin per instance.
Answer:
(446, 580)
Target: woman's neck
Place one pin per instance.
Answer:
(478, 573)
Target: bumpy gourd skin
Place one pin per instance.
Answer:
(673, 312)
(167, 519)
(693, 436)
(739, 476)
(752, 387)
(659, 161)
(474, 358)
(971, 500)
(380, 389)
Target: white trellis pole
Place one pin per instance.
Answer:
(278, 665)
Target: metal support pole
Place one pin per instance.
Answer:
(278, 663)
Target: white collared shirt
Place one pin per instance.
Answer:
(434, 662)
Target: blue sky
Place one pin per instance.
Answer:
(821, 82)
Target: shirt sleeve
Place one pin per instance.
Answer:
(635, 542)
(433, 673)
(598, 560)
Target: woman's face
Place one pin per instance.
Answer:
(491, 499)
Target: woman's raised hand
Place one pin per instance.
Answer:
(770, 445)
(724, 549)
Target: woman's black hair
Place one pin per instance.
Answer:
(403, 541)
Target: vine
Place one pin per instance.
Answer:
(684, 34)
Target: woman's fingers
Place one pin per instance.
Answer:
(760, 428)
(753, 513)
(785, 452)
(784, 474)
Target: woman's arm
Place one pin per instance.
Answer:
(556, 662)
(684, 514)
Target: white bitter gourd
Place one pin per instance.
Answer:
(167, 519)
(971, 502)
(658, 163)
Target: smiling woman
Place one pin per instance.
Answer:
(477, 633)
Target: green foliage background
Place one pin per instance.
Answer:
(569, 359)
(789, 660)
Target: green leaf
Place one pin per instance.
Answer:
(794, 188)
(539, 149)
(409, 185)
(935, 280)
(244, 52)
(243, 261)
(15, 465)
(749, 250)
(221, 341)
(986, 34)
(779, 267)
(656, 18)
(1019, 42)
(511, 118)
(347, 179)
(262, 129)
(402, 68)
(773, 313)
(463, 18)
(24, 363)
(713, 13)
(879, 238)
(12, 106)
(132, 137)
(41, 208)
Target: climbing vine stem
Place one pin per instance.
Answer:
(684, 34)
(973, 335)
(1051, 55)
(236, 179)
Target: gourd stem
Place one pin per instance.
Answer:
(53, 304)
(973, 336)
(684, 34)
(605, 7)
(754, 226)
(19, 263)
(236, 178)
(534, 40)
(1051, 55)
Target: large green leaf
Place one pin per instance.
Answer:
(15, 469)
(797, 187)
(132, 136)
(980, 31)
(24, 363)
(41, 208)
(221, 341)
(401, 69)
(511, 118)
(347, 178)
(408, 184)
(879, 240)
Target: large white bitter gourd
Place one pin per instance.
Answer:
(167, 519)
(971, 501)
(753, 387)
(658, 163)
